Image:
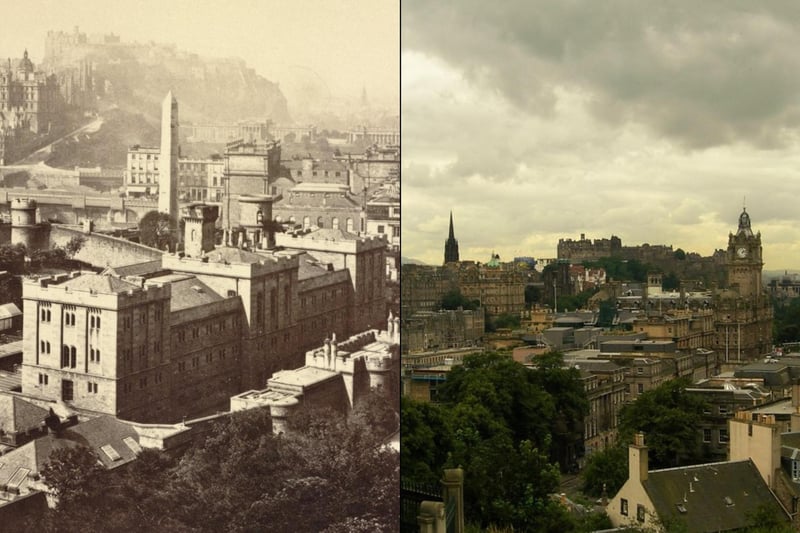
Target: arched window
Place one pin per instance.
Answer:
(335, 223)
(350, 225)
(319, 222)
(259, 217)
(306, 222)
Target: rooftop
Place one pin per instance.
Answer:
(711, 497)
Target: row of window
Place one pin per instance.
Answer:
(208, 329)
(70, 317)
(722, 438)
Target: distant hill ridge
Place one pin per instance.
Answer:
(136, 76)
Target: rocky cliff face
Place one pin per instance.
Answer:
(137, 76)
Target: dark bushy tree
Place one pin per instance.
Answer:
(669, 417)
(334, 474)
(154, 230)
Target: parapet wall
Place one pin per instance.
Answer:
(103, 250)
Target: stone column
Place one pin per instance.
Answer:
(453, 487)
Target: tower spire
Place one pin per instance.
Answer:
(451, 245)
(452, 234)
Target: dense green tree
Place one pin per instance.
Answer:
(427, 440)
(453, 299)
(670, 282)
(679, 254)
(606, 469)
(505, 391)
(669, 417)
(786, 323)
(507, 320)
(496, 421)
(564, 385)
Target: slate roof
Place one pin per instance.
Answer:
(229, 254)
(9, 311)
(114, 442)
(136, 269)
(188, 291)
(17, 414)
(710, 497)
(98, 283)
(330, 234)
(310, 267)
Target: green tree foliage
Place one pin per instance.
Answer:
(427, 440)
(606, 314)
(154, 230)
(507, 320)
(669, 417)
(621, 269)
(564, 385)
(453, 299)
(786, 322)
(679, 254)
(499, 421)
(609, 468)
(332, 475)
(766, 519)
(670, 282)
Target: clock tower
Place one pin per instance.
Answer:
(744, 259)
(742, 311)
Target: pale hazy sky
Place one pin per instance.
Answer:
(648, 120)
(350, 43)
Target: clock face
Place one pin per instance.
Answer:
(741, 251)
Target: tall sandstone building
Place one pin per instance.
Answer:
(743, 316)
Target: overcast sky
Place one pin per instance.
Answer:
(349, 43)
(652, 121)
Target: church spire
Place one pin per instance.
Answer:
(451, 245)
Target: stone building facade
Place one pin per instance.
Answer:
(177, 338)
(28, 97)
(743, 312)
(427, 330)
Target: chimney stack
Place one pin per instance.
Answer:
(637, 458)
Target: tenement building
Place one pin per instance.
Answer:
(29, 95)
(175, 338)
(743, 313)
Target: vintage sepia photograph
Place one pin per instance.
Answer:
(199, 266)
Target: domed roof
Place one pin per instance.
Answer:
(744, 224)
(25, 63)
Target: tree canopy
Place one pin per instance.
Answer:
(333, 475)
(669, 417)
(155, 230)
(506, 425)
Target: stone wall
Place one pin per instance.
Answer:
(103, 250)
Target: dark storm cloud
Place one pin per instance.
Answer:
(699, 73)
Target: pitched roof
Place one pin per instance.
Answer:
(9, 310)
(229, 254)
(136, 269)
(17, 414)
(99, 283)
(710, 497)
(188, 291)
(310, 267)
